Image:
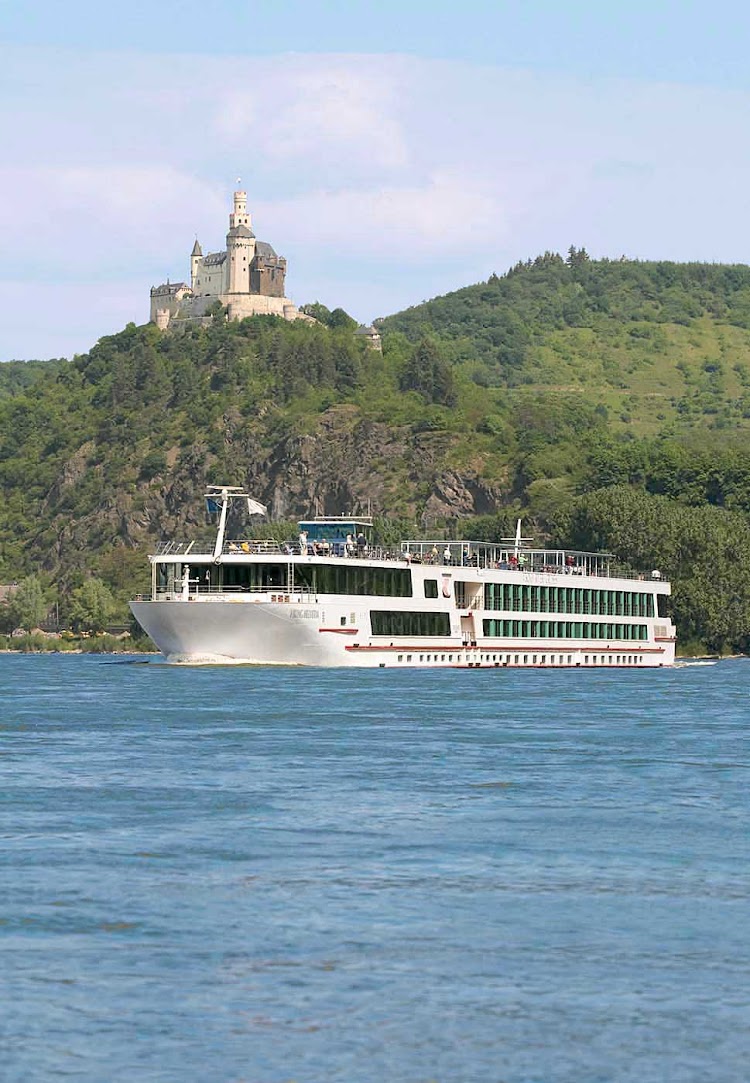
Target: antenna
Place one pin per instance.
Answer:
(517, 541)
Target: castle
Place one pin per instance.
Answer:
(247, 278)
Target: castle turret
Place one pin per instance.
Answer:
(195, 258)
(240, 217)
(240, 247)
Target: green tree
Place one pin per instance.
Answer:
(337, 319)
(92, 606)
(426, 372)
(27, 607)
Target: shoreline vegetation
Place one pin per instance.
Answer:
(69, 643)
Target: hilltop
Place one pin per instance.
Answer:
(529, 392)
(656, 345)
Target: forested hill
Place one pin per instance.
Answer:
(566, 390)
(654, 343)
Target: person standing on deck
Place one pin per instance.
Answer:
(303, 543)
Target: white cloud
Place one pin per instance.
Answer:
(412, 223)
(66, 219)
(322, 111)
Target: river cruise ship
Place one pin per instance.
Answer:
(331, 597)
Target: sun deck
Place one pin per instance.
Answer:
(436, 552)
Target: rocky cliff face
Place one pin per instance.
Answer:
(345, 464)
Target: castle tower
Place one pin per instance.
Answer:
(240, 247)
(195, 257)
(239, 216)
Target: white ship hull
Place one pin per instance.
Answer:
(254, 632)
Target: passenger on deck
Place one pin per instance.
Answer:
(446, 555)
(361, 545)
(349, 546)
(303, 543)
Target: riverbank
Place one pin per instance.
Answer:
(67, 643)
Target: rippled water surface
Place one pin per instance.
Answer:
(267, 875)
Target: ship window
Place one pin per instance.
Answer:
(396, 623)
(255, 576)
(430, 588)
(350, 579)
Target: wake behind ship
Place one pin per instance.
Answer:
(331, 597)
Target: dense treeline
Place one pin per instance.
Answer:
(704, 551)
(588, 396)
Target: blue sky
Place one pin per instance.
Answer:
(390, 151)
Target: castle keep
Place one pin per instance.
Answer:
(247, 278)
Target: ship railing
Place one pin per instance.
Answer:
(313, 549)
(485, 555)
(199, 589)
(445, 554)
(169, 548)
(264, 547)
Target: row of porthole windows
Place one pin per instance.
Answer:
(605, 603)
(529, 659)
(563, 629)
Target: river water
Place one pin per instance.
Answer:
(277, 875)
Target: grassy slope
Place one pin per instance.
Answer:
(660, 346)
